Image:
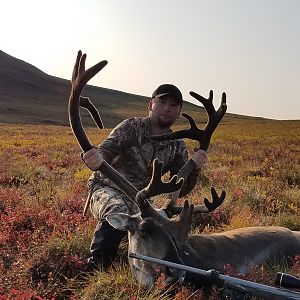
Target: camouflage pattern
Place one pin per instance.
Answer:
(129, 150)
(107, 200)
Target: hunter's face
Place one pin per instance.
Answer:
(164, 110)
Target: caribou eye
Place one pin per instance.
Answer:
(143, 233)
(144, 230)
(146, 227)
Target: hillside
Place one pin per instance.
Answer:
(30, 96)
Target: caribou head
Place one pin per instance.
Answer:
(150, 233)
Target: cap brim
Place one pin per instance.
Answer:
(164, 94)
(161, 95)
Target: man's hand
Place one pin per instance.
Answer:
(93, 159)
(199, 157)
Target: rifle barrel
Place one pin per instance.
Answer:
(241, 285)
(287, 281)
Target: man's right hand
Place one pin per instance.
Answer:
(93, 159)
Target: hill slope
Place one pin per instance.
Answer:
(30, 96)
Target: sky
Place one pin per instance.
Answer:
(249, 49)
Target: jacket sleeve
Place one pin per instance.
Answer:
(179, 161)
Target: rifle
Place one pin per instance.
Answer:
(236, 284)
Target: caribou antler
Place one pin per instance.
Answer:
(156, 186)
(179, 226)
(203, 136)
(172, 209)
(80, 78)
(216, 199)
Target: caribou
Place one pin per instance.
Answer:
(152, 235)
(166, 237)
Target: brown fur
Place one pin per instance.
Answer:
(241, 249)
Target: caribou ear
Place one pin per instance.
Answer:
(123, 221)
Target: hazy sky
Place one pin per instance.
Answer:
(249, 49)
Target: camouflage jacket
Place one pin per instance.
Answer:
(129, 150)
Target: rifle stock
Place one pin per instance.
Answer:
(240, 285)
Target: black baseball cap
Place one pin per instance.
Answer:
(168, 89)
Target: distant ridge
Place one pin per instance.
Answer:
(30, 96)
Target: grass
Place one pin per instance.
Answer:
(44, 238)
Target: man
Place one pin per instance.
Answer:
(129, 150)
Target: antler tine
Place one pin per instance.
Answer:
(216, 200)
(186, 213)
(185, 219)
(88, 105)
(191, 133)
(181, 225)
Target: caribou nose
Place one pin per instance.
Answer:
(181, 276)
(176, 274)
